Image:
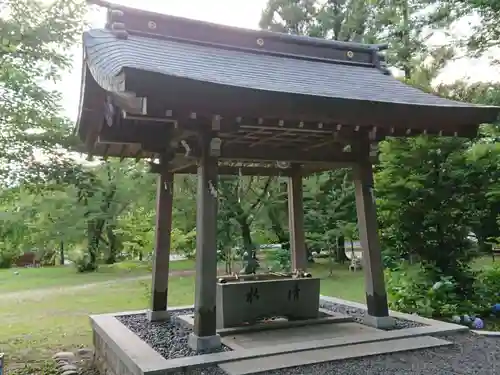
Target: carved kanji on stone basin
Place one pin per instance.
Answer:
(247, 301)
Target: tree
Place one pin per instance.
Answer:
(330, 211)
(240, 201)
(35, 37)
(485, 34)
(351, 20)
(347, 20)
(484, 163)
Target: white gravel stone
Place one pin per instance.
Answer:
(167, 338)
(471, 355)
(170, 340)
(358, 315)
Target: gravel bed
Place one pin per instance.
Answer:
(471, 354)
(358, 315)
(167, 338)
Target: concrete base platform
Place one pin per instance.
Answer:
(158, 316)
(252, 366)
(268, 338)
(382, 322)
(119, 351)
(204, 343)
(271, 325)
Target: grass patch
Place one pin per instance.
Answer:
(37, 324)
(34, 328)
(29, 278)
(484, 262)
(342, 283)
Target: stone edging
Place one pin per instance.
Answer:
(487, 333)
(399, 315)
(138, 358)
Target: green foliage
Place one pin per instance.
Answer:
(407, 168)
(184, 243)
(349, 21)
(487, 286)
(84, 263)
(485, 34)
(410, 290)
(34, 39)
(280, 260)
(45, 368)
(7, 258)
(330, 212)
(413, 291)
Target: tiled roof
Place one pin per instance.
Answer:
(107, 55)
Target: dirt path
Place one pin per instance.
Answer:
(50, 291)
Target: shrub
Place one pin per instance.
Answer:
(6, 260)
(45, 368)
(412, 291)
(280, 260)
(83, 264)
(184, 243)
(487, 287)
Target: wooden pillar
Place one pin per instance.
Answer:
(161, 258)
(204, 335)
(376, 296)
(296, 220)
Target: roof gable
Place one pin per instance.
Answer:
(154, 25)
(108, 55)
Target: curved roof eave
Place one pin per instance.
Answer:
(108, 56)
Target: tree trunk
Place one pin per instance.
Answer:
(94, 235)
(246, 234)
(310, 258)
(277, 226)
(340, 256)
(61, 253)
(113, 244)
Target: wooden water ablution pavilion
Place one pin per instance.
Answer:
(200, 98)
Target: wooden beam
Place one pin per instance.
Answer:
(243, 171)
(228, 101)
(205, 295)
(161, 260)
(296, 219)
(293, 155)
(376, 297)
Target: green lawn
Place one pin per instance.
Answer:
(35, 326)
(36, 323)
(13, 280)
